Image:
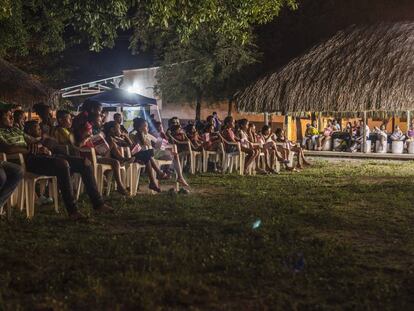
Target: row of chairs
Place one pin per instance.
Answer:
(230, 161)
(25, 195)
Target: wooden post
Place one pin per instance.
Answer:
(320, 129)
(230, 107)
(266, 118)
(364, 140)
(299, 134)
(286, 126)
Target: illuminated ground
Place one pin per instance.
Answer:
(352, 221)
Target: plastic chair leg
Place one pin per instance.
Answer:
(55, 193)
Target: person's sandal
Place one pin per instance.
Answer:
(154, 187)
(182, 182)
(163, 176)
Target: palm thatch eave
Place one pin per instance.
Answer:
(362, 68)
(18, 87)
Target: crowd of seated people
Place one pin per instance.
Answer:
(351, 137)
(62, 146)
(213, 133)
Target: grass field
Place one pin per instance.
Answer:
(353, 223)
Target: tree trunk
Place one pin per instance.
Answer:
(198, 108)
(230, 109)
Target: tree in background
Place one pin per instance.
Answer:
(214, 36)
(201, 69)
(211, 46)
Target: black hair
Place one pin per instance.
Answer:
(227, 121)
(278, 131)
(29, 125)
(17, 114)
(61, 114)
(117, 114)
(265, 128)
(189, 127)
(243, 122)
(108, 126)
(208, 125)
(137, 123)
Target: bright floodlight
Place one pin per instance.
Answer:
(133, 89)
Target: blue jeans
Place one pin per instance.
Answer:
(10, 176)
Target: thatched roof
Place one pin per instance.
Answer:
(363, 68)
(18, 87)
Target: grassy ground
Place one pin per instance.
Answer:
(353, 223)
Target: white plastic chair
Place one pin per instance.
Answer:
(98, 170)
(232, 159)
(30, 180)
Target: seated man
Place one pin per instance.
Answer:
(10, 176)
(39, 160)
(311, 136)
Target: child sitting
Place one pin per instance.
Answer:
(194, 136)
(211, 140)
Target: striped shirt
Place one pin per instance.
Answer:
(13, 136)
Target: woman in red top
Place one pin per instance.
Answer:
(211, 141)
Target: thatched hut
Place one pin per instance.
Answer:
(18, 87)
(363, 68)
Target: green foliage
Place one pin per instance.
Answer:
(202, 67)
(232, 18)
(50, 26)
(199, 251)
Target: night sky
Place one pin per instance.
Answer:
(287, 37)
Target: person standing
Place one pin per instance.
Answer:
(217, 122)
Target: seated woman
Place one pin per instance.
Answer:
(159, 130)
(381, 136)
(144, 154)
(116, 137)
(291, 147)
(327, 134)
(106, 153)
(113, 131)
(274, 152)
(397, 135)
(176, 133)
(228, 134)
(257, 143)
